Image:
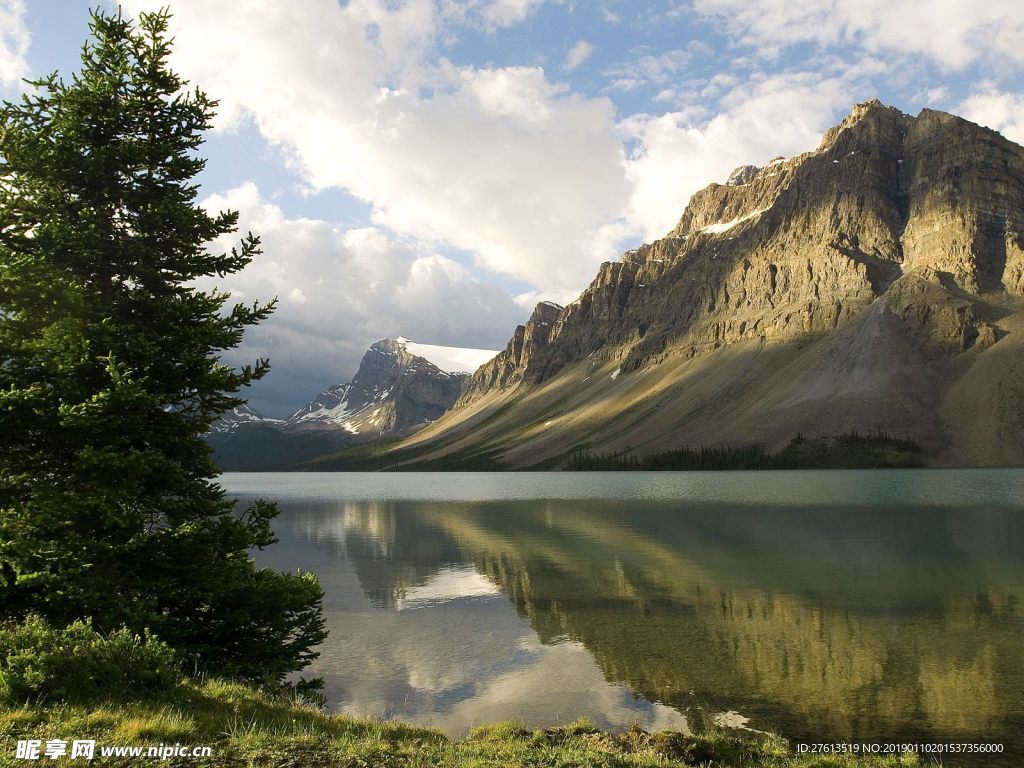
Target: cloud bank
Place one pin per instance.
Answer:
(501, 162)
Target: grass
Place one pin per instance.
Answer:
(246, 727)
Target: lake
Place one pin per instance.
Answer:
(852, 606)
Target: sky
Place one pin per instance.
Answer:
(433, 168)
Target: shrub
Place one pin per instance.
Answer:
(40, 663)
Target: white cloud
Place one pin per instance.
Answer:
(490, 15)
(995, 109)
(933, 97)
(504, 13)
(528, 300)
(497, 161)
(647, 69)
(610, 16)
(579, 54)
(14, 40)
(520, 93)
(341, 290)
(951, 33)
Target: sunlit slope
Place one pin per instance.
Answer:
(870, 375)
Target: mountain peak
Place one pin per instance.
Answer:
(871, 119)
(545, 312)
(400, 384)
(742, 175)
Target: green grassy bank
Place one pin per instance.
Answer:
(246, 727)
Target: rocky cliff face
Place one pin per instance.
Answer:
(800, 247)
(900, 239)
(508, 366)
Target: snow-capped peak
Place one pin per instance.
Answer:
(369, 403)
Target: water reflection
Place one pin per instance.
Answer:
(418, 632)
(838, 622)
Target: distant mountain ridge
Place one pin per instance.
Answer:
(398, 388)
(236, 417)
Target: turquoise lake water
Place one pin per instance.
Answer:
(853, 606)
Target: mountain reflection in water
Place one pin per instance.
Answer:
(859, 620)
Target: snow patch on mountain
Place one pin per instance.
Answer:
(717, 229)
(449, 359)
(338, 413)
(331, 405)
(242, 414)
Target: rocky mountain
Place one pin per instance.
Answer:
(876, 283)
(400, 386)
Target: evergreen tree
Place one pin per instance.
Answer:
(110, 371)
